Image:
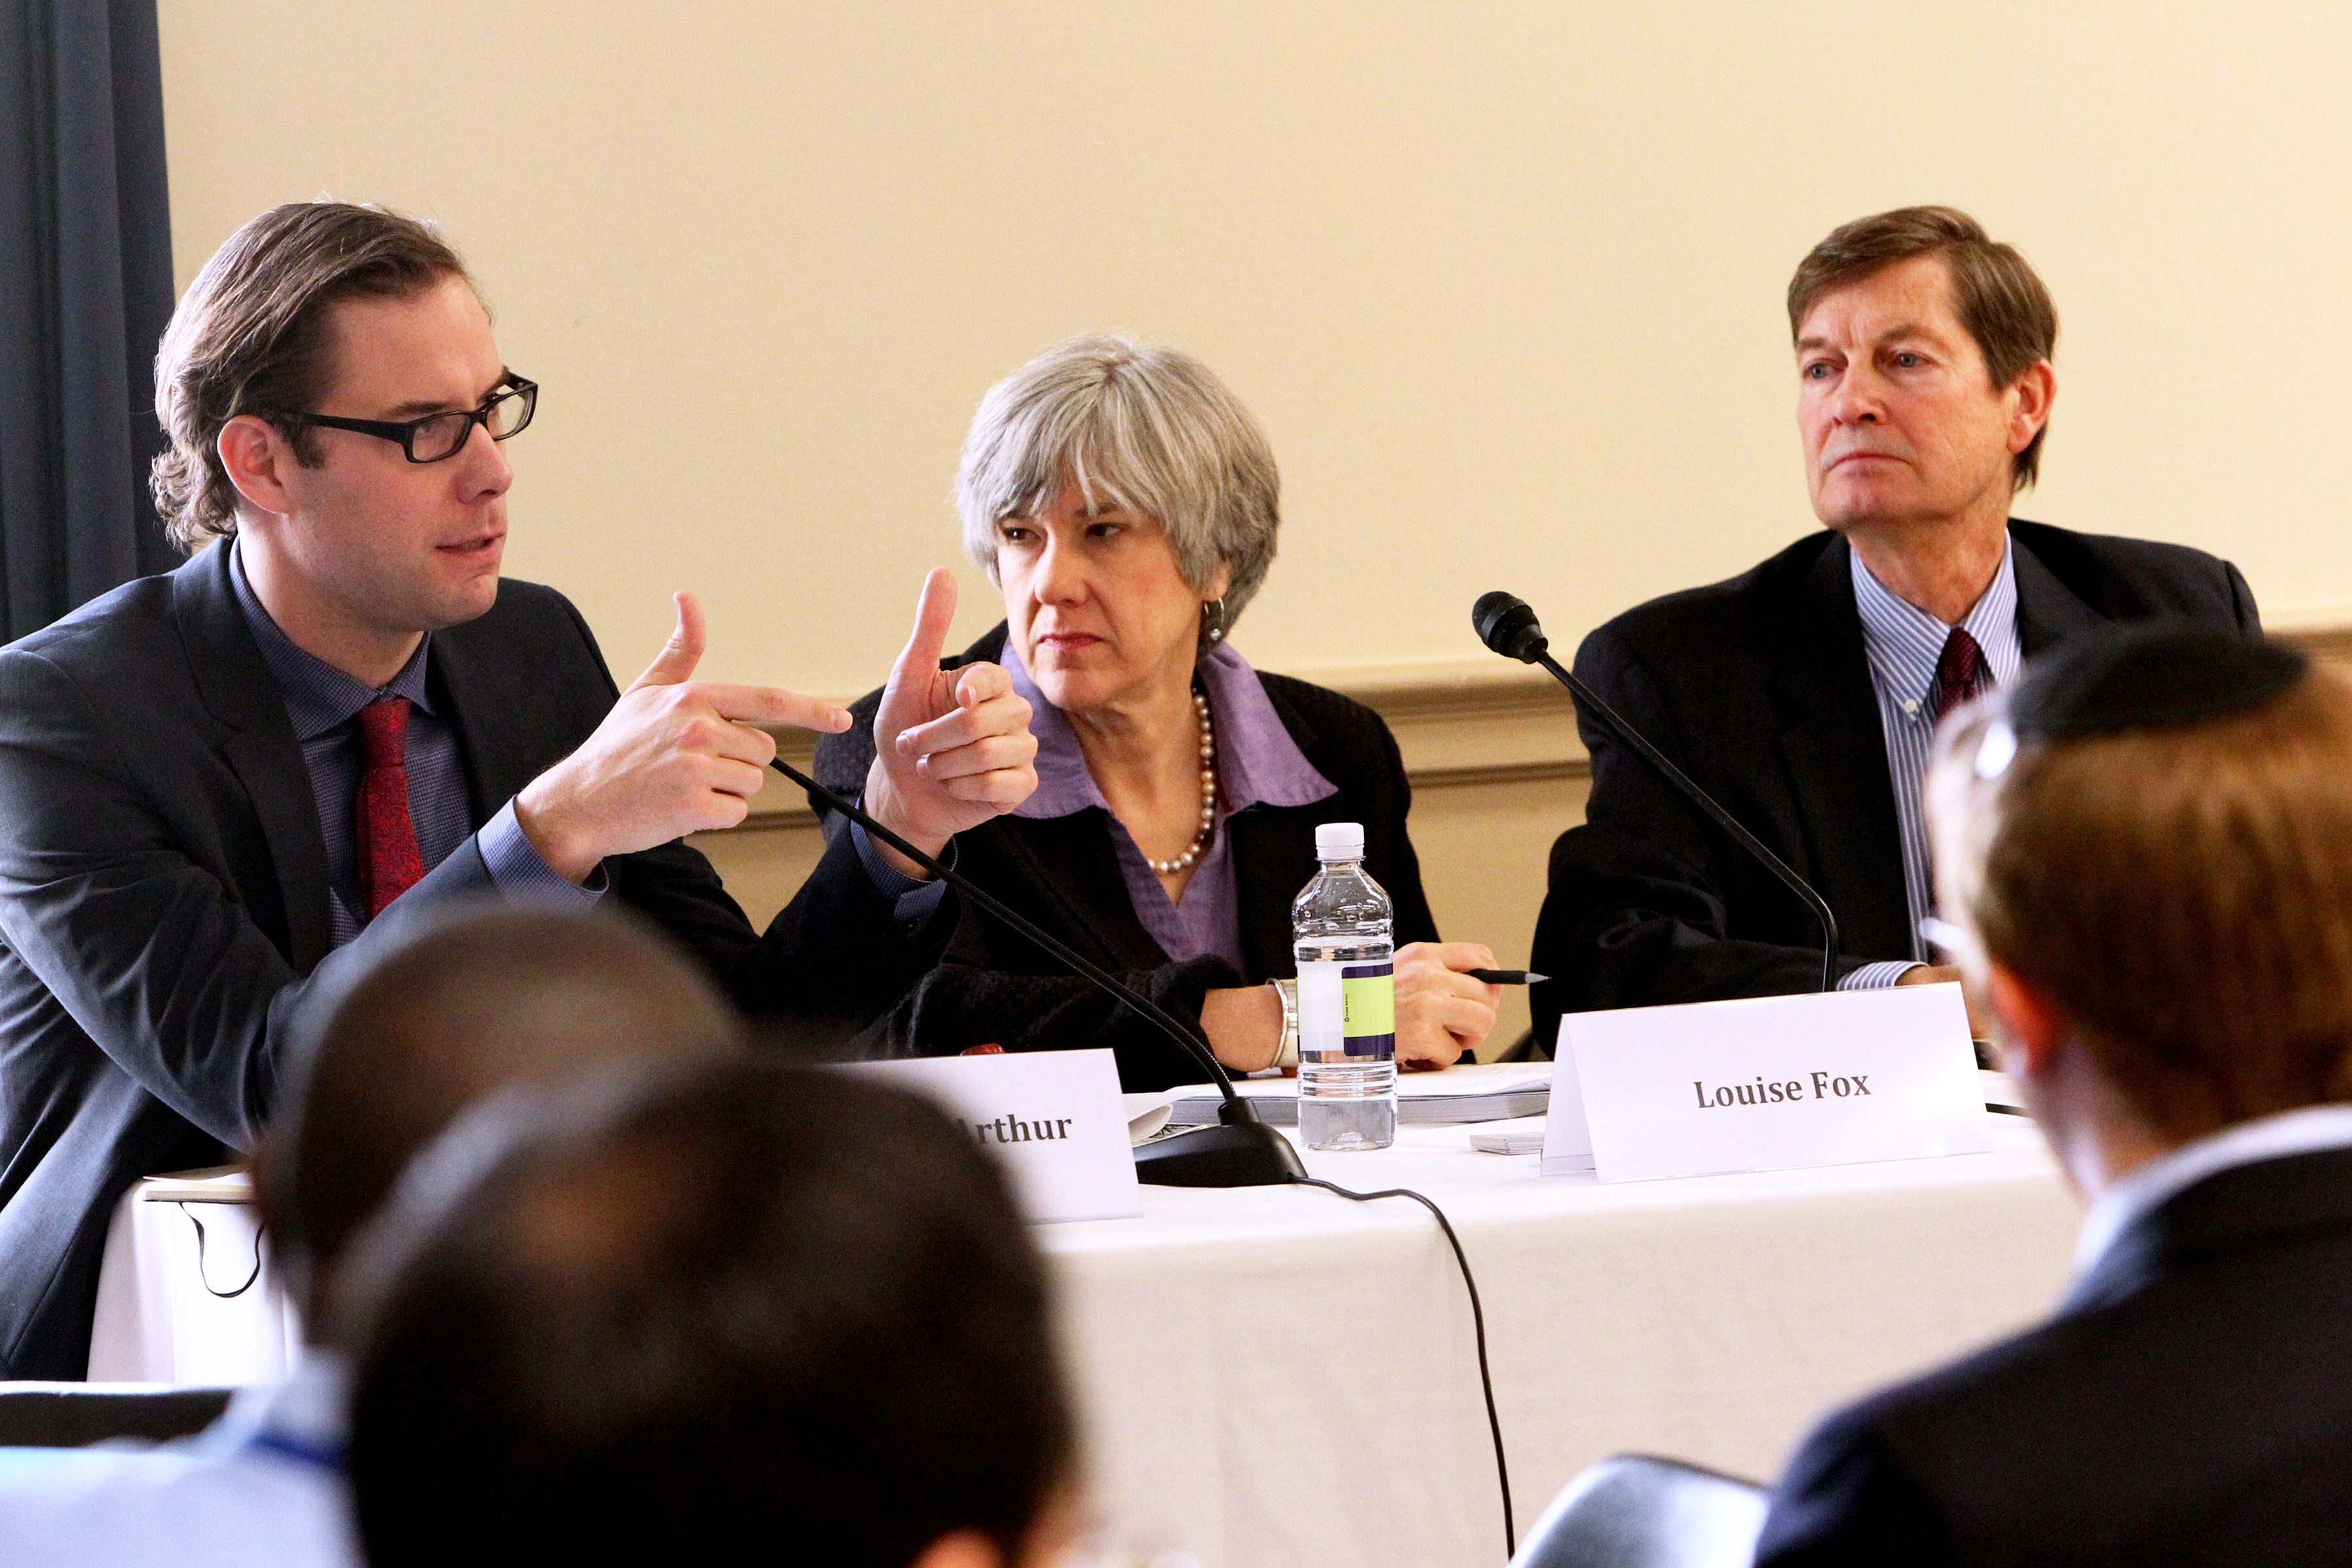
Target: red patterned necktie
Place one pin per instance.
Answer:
(1958, 672)
(388, 863)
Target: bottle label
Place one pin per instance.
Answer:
(1322, 1008)
(1367, 994)
(1346, 1009)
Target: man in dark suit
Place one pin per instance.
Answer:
(2146, 854)
(338, 715)
(1803, 694)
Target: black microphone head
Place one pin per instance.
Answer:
(1506, 623)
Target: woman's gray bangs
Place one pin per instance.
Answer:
(1149, 429)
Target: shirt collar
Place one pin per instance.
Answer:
(1258, 764)
(2309, 1131)
(1905, 643)
(318, 696)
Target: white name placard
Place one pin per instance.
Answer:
(1770, 1083)
(1055, 1118)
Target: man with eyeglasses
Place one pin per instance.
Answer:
(219, 785)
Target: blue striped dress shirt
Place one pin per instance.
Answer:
(1905, 644)
(323, 704)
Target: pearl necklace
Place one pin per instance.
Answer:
(1186, 861)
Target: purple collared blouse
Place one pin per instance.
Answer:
(1258, 764)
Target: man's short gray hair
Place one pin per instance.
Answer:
(1148, 428)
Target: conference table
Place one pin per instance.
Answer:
(1280, 1377)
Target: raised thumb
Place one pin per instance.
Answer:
(679, 655)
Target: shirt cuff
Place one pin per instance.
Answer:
(913, 900)
(519, 873)
(1877, 976)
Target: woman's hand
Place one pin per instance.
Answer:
(1243, 1023)
(951, 748)
(1440, 1011)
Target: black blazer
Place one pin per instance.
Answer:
(2191, 1404)
(1759, 690)
(164, 899)
(994, 986)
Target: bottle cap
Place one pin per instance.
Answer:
(1339, 841)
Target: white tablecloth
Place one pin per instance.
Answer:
(186, 1293)
(1279, 1376)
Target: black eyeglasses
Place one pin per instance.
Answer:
(439, 435)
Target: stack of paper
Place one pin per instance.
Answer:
(1489, 1092)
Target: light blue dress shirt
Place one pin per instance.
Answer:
(1258, 764)
(1905, 644)
(261, 1487)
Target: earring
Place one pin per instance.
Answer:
(1213, 611)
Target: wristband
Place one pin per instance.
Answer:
(1285, 1055)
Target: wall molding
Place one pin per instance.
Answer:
(1458, 723)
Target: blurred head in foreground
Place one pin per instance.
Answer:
(467, 1006)
(739, 1302)
(2147, 851)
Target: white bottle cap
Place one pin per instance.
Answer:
(1339, 841)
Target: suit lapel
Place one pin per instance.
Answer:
(1069, 865)
(1836, 752)
(1270, 843)
(1273, 857)
(500, 755)
(239, 692)
(2048, 612)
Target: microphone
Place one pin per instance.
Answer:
(1506, 623)
(1240, 1151)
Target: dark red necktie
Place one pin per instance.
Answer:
(388, 863)
(1958, 672)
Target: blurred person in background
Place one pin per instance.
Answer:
(1126, 503)
(2145, 854)
(666, 1317)
(467, 1005)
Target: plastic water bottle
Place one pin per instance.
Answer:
(1343, 933)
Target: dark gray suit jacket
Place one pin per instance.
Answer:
(2191, 1404)
(163, 900)
(1759, 690)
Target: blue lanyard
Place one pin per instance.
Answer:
(312, 1454)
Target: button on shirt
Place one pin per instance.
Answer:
(1904, 643)
(1258, 764)
(323, 704)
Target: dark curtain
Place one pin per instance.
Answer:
(85, 290)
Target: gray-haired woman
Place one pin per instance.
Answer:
(1126, 504)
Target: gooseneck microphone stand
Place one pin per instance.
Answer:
(1506, 624)
(1240, 1151)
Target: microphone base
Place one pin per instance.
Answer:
(1228, 1154)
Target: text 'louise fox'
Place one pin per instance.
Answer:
(1781, 1092)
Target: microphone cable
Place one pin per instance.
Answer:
(1189, 1039)
(1478, 1325)
(1153, 1013)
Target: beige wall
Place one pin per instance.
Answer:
(1502, 280)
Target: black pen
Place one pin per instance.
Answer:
(1506, 976)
